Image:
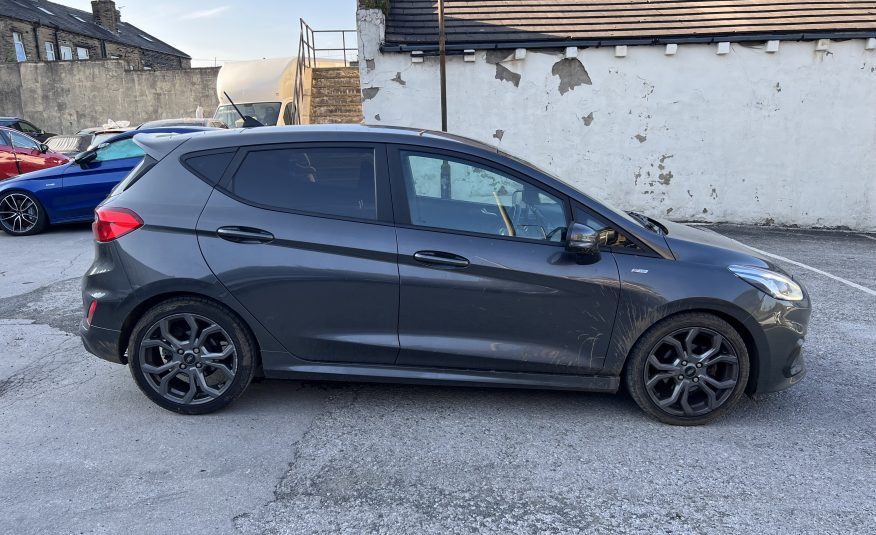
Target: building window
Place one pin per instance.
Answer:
(20, 54)
(81, 53)
(50, 52)
(44, 10)
(66, 53)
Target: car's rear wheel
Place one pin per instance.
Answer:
(21, 214)
(688, 369)
(191, 355)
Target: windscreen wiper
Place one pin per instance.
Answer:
(650, 224)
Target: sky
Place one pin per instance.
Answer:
(218, 30)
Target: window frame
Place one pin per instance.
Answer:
(400, 195)
(15, 133)
(18, 41)
(383, 197)
(50, 51)
(79, 53)
(68, 49)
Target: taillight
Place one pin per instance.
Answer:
(113, 223)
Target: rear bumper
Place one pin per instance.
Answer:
(103, 343)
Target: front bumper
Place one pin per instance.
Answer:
(103, 343)
(781, 361)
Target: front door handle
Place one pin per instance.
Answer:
(244, 235)
(444, 259)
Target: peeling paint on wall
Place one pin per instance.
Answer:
(640, 138)
(398, 79)
(588, 119)
(499, 134)
(370, 92)
(572, 74)
(506, 75)
(495, 56)
(369, 64)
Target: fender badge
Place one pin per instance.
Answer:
(637, 270)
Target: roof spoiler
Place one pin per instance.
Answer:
(157, 146)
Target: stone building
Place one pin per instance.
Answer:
(761, 111)
(37, 30)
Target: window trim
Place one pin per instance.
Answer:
(400, 197)
(18, 41)
(68, 49)
(79, 51)
(50, 51)
(383, 197)
(644, 249)
(25, 136)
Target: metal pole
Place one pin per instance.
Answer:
(443, 62)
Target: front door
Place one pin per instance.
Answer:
(27, 151)
(486, 282)
(301, 235)
(8, 160)
(87, 186)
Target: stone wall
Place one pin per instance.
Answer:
(35, 48)
(64, 97)
(750, 136)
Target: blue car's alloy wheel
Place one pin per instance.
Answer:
(21, 214)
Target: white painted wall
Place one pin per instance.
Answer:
(751, 137)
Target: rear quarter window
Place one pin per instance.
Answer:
(210, 166)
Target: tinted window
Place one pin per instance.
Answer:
(453, 194)
(119, 150)
(23, 142)
(28, 128)
(3, 139)
(210, 166)
(332, 181)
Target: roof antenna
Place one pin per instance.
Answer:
(248, 121)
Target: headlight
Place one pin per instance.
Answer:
(770, 282)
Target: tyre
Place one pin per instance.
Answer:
(21, 214)
(688, 369)
(191, 355)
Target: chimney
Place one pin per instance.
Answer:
(106, 14)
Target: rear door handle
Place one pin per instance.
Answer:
(444, 259)
(244, 235)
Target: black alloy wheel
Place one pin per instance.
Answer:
(688, 369)
(191, 356)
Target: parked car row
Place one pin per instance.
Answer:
(53, 189)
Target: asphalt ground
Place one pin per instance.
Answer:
(83, 451)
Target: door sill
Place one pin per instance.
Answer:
(394, 374)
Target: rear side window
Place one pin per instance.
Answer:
(338, 181)
(209, 166)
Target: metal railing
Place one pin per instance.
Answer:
(307, 59)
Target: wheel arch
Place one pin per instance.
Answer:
(141, 308)
(741, 321)
(37, 194)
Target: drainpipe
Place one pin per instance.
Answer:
(442, 52)
(36, 39)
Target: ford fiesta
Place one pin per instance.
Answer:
(390, 254)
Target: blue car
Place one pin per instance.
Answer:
(69, 193)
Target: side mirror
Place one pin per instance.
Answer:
(44, 148)
(582, 239)
(84, 158)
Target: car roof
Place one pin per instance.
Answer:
(161, 130)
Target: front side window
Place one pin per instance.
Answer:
(20, 54)
(28, 128)
(337, 181)
(81, 53)
(452, 194)
(119, 150)
(21, 141)
(66, 53)
(50, 51)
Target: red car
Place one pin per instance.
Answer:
(20, 153)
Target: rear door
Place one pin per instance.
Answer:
(302, 236)
(84, 187)
(8, 161)
(486, 282)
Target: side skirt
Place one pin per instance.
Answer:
(279, 367)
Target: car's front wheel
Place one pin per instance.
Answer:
(688, 369)
(21, 214)
(192, 356)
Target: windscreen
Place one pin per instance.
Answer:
(266, 113)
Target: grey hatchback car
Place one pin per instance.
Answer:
(390, 254)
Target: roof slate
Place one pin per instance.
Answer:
(503, 23)
(63, 19)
